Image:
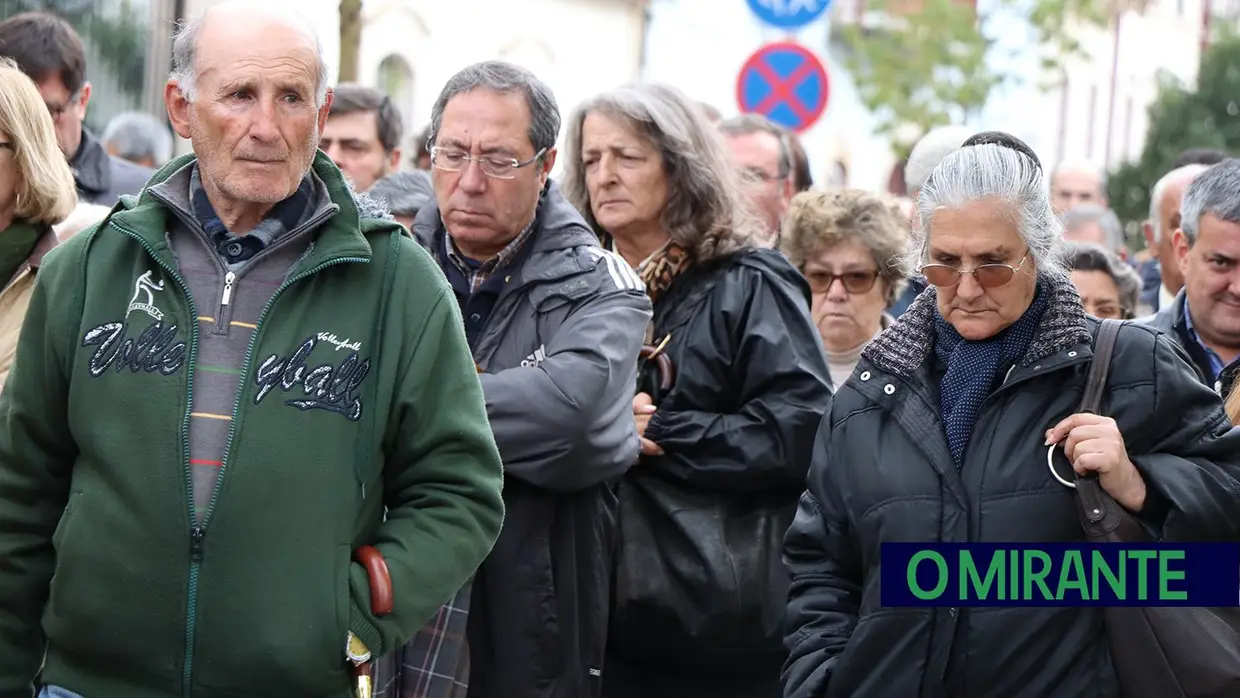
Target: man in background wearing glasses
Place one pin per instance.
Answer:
(47, 49)
(556, 324)
(761, 150)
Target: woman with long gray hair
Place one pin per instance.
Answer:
(734, 386)
(954, 432)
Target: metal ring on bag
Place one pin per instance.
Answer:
(1050, 463)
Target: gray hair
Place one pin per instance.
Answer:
(505, 78)
(1106, 219)
(1160, 187)
(1088, 256)
(995, 172)
(930, 151)
(706, 208)
(748, 124)
(136, 135)
(405, 193)
(1216, 191)
(185, 54)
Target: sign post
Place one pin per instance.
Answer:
(784, 82)
(788, 14)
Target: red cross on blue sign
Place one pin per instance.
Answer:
(786, 83)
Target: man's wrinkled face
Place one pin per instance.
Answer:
(1169, 222)
(1211, 269)
(68, 110)
(352, 141)
(484, 213)
(757, 156)
(1075, 187)
(253, 123)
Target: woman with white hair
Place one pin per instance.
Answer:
(728, 404)
(944, 436)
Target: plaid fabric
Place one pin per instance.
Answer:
(435, 663)
(479, 272)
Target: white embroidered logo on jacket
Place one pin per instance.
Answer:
(539, 356)
(144, 296)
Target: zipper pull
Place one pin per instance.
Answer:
(229, 278)
(196, 539)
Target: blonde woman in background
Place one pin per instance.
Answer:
(843, 241)
(36, 192)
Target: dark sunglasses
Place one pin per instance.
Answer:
(855, 282)
(986, 275)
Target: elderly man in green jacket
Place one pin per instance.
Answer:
(218, 393)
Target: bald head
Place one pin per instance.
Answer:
(1165, 199)
(929, 152)
(240, 23)
(1074, 183)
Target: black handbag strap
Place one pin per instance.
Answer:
(1101, 516)
(1096, 382)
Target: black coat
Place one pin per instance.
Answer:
(882, 471)
(1172, 321)
(101, 178)
(737, 425)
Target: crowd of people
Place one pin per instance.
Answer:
(297, 413)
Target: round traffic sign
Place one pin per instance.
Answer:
(786, 83)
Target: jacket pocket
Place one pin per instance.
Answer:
(885, 656)
(283, 616)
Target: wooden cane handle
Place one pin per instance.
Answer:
(664, 362)
(381, 594)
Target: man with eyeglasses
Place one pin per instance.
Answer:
(556, 324)
(761, 151)
(47, 49)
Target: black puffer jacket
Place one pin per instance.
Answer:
(882, 472)
(737, 425)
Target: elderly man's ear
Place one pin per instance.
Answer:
(178, 108)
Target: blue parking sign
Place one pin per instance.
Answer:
(788, 14)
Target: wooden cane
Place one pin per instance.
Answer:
(667, 373)
(382, 598)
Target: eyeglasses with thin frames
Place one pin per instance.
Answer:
(855, 282)
(455, 160)
(58, 110)
(986, 275)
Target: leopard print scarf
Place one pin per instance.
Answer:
(661, 270)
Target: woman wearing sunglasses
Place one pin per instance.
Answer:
(845, 242)
(942, 435)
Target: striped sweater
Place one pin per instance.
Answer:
(230, 300)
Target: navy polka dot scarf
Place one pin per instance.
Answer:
(974, 367)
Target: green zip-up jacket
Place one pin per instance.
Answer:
(102, 582)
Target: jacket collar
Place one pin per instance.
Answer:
(92, 167)
(902, 348)
(557, 227)
(47, 241)
(341, 235)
